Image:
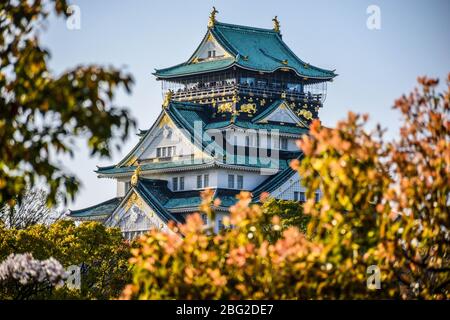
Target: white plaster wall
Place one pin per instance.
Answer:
(210, 45)
(162, 138)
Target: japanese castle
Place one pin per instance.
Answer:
(229, 121)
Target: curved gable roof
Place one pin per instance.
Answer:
(252, 48)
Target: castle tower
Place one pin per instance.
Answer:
(229, 121)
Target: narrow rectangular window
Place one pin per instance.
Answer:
(269, 142)
(181, 183)
(302, 197)
(231, 181)
(174, 150)
(317, 196)
(175, 184)
(169, 151)
(206, 180)
(199, 182)
(247, 141)
(164, 149)
(284, 143)
(220, 224)
(158, 152)
(296, 198)
(240, 182)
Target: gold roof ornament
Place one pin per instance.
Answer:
(135, 176)
(167, 98)
(212, 18)
(276, 24)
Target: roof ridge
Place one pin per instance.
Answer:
(244, 27)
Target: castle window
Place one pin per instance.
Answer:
(181, 183)
(231, 181)
(211, 53)
(247, 81)
(317, 196)
(300, 196)
(269, 141)
(220, 225)
(276, 85)
(163, 152)
(293, 87)
(175, 184)
(284, 143)
(199, 182)
(240, 182)
(206, 180)
(261, 83)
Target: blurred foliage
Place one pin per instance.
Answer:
(384, 204)
(289, 213)
(41, 113)
(101, 253)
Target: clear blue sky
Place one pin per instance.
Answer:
(374, 66)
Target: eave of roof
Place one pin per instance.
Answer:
(101, 209)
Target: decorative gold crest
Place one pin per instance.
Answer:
(134, 200)
(135, 176)
(305, 113)
(248, 108)
(167, 98)
(225, 107)
(276, 24)
(212, 18)
(131, 161)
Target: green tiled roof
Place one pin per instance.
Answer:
(184, 115)
(254, 49)
(193, 68)
(189, 199)
(151, 166)
(274, 182)
(290, 129)
(293, 129)
(267, 110)
(146, 190)
(103, 208)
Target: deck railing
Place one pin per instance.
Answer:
(196, 94)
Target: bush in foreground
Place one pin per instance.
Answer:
(100, 252)
(384, 215)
